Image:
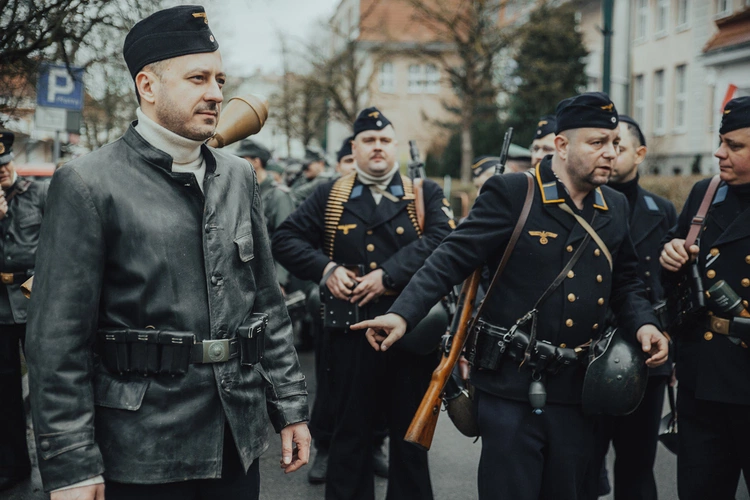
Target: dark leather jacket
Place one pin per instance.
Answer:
(19, 236)
(126, 242)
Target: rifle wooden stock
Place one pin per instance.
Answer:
(422, 428)
(419, 200)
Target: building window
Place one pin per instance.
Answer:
(682, 13)
(641, 19)
(723, 8)
(639, 100)
(662, 16)
(387, 78)
(680, 98)
(424, 79)
(659, 103)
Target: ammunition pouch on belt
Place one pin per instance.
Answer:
(155, 352)
(495, 342)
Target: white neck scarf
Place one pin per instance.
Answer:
(374, 183)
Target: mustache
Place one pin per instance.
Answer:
(210, 106)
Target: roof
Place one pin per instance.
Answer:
(733, 31)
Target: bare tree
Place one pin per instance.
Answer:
(466, 43)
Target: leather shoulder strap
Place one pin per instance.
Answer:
(592, 232)
(700, 218)
(512, 242)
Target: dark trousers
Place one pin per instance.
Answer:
(14, 455)
(634, 438)
(532, 457)
(364, 384)
(713, 446)
(234, 483)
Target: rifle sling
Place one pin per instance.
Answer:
(700, 217)
(565, 208)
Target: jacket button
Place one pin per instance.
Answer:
(599, 278)
(370, 247)
(600, 301)
(595, 327)
(745, 303)
(563, 345)
(571, 274)
(648, 273)
(207, 228)
(568, 323)
(708, 335)
(747, 259)
(648, 258)
(44, 445)
(571, 297)
(373, 265)
(714, 252)
(745, 282)
(369, 232)
(597, 252)
(399, 230)
(215, 279)
(569, 248)
(711, 274)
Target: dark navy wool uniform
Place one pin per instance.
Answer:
(365, 382)
(19, 235)
(713, 370)
(635, 436)
(528, 456)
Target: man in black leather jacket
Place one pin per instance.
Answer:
(158, 233)
(21, 209)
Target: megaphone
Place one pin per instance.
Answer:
(241, 117)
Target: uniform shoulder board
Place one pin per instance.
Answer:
(721, 194)
(651, 203)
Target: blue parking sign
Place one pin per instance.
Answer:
(58, 88)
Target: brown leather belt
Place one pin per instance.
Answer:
(10, 278)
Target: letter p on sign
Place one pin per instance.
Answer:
(59, 82)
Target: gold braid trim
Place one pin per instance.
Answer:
(411, 208)
(340, 193)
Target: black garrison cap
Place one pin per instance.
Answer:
(736, 115)
(483, 163)
(370, 119)
(630, 121)
(6, 147)
(589, 110)
(166, 34)
(251, 149)
(546, 126)
(346, 148)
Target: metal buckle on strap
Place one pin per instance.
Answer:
(215, 351)
(720, 325)
(6, 278)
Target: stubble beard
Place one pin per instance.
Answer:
(181, 122)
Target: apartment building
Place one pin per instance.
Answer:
(410, 90)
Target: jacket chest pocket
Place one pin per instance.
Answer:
(244, 246)
(30, 220)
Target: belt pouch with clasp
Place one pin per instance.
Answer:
(252, 339)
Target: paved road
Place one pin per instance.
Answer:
(453, 462)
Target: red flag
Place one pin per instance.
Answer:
(728, 96)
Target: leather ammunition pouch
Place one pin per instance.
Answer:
(155, 352)
(495, 343)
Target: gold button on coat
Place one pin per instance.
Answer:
(597, 253)
(648, 273)
(711, 274)
(708, 335)
(563, 345)
(569, 248)
(571, 297)
(747, 259)
(745, 282)
(369, 232)
(599, 278)
(373, 265)
(600, 301)
(596, 326)
(399, 230)
(370, 247)
(569, 322)
(714, 252)
(571, 274)
(744, 303)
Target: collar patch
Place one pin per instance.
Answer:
(651, 204)
(356, 192)
(721, 194)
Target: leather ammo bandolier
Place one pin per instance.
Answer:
(340, 193)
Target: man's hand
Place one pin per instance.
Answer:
(369, 287)
(341, 281)
(92, 492)
(383, 331)
(295, 447)
(3, 205)
(674, 255)
(653, 342)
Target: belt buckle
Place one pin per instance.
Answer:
(6, 278)
(215, 351)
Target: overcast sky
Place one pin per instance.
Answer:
(248, 30)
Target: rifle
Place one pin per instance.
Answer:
(417, 173)
(422, 428)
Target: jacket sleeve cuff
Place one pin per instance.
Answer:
(61, 465)
(287, 404)
(88, 482)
